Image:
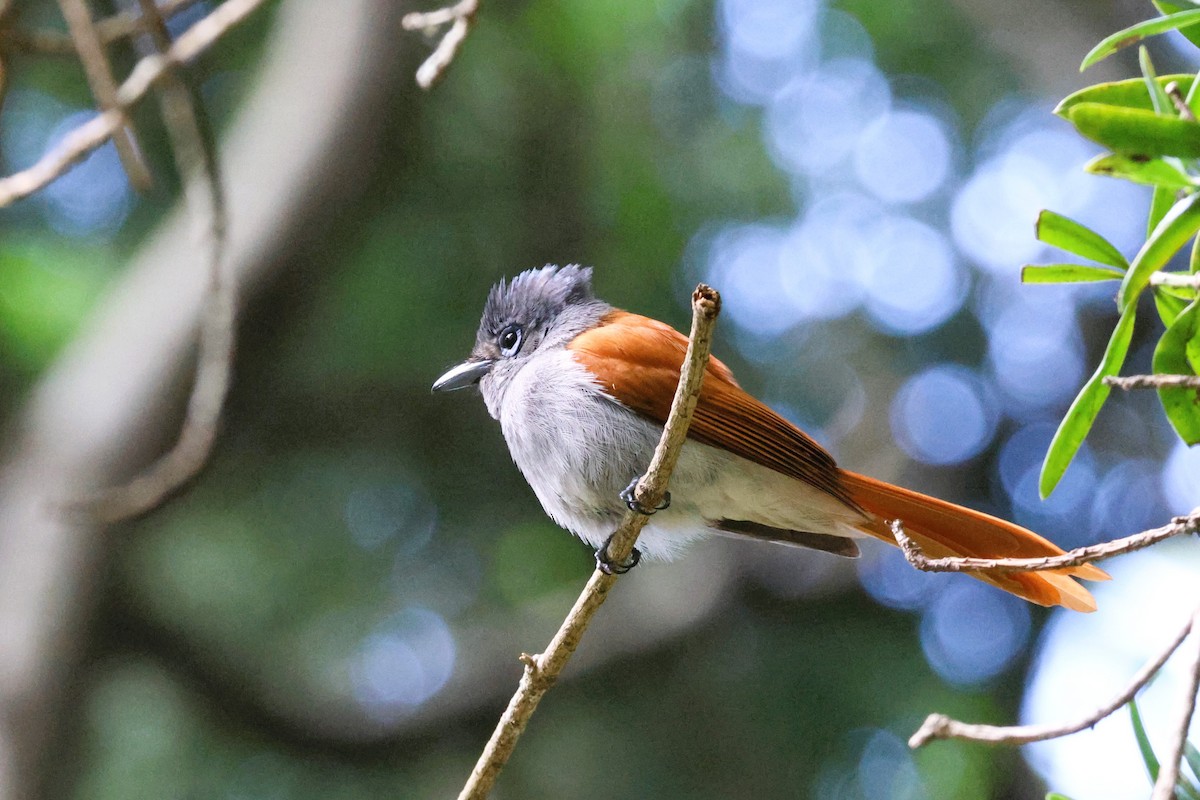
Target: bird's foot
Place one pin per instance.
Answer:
(608, 566)
(628, 494)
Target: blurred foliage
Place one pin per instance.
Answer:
(343, 496)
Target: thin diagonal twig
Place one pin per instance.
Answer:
(77, 144)
(1168, 770)
(542, 670)
(104, 87)
(196, 161)
(1072, 558)
(939, 726)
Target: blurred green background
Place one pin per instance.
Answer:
(334, 609)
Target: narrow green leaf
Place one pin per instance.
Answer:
(1067, 273)
(1074, 237)
(1158, 93)
(1185, 293)
(1190, 94)
(1057, 796)
(1082, 413)
(1169, 306)
(1185, 790)
(1160, 203)
(1136, 131)
(1143, 741)
(1169, 236)
(1171, 357)
(1135, 33)
(1152, 171)
(1130, 93)
(1174, 8)
(1194, 260)
(1192, 756)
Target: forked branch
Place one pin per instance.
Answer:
(459, 17)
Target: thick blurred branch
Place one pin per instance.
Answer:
(1072, 558)
(939, 726)
(542, 670)
(460, 17)
(107, 398)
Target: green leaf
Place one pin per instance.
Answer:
(1158, 94)
(1074, 237)
(1160, 203)
(1143, 741)
(1067, 273)
(1149, 171)
(1136, 33)
(1190, 98)
(1057, 796)
(1176, 354)
(1169, 306)
(1082, 413)
(1130, 93)
(1192, 756)
(1169, 236)
(1136, 131)
(1173, 8)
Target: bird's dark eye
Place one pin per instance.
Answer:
(510, 340)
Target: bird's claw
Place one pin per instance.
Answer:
(610, 567)
(628, 494)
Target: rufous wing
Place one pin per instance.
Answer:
(637, 360)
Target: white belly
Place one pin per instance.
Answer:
(578, 449)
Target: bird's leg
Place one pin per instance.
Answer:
(605, 563)
(628, 494)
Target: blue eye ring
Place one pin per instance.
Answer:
(510, 340)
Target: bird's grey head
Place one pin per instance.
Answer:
(537, 311)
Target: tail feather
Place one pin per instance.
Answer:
(945, 529)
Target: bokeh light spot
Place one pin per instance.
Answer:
(913, 282)
(943, 415)
(972, 631)
(403, 664)
(903, 156)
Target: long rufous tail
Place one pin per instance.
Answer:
(945, 529)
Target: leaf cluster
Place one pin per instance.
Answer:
(1149, 126)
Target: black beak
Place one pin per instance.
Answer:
(465, 374)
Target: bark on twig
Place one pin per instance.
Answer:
(1072, 558)
(542, 670)
(939, 726)
(1153, 381)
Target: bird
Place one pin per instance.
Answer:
(582, 389)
